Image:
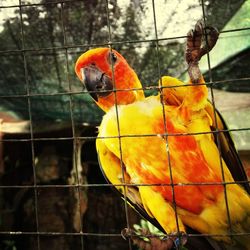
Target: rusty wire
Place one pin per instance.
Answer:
(86, 46)
(27, 85)
(118, 126)
(76, 137)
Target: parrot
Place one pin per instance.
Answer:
(169, 154)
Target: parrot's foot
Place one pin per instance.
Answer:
(199, 42)
(148, 241)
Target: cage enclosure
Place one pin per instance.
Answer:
(52, 192)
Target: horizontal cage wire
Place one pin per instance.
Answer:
(52, 189)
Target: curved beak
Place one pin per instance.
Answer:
(97, 83)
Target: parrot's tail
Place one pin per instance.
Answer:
(242, 240)
(241, 231)
(227, 219)
(234, 217)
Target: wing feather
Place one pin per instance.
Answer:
(228, 151)
(110, 166)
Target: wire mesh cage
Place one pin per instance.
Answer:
(53, 194)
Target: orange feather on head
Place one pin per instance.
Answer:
(104, 72)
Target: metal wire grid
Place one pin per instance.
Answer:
(76, 138)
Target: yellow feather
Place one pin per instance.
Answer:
(157, 206)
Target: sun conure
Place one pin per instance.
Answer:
(170, 143)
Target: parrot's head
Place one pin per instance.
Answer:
(108, 78)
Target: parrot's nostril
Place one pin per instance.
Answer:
(100, 87)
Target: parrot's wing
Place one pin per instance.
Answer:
(228, 152)
(113, 175)
(173, 94)
(112, 171)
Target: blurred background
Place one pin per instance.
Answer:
(52, 193)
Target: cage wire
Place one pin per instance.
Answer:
(70, 104)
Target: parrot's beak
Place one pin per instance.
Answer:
(96, 82)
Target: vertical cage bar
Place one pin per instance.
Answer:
(118, 126)
(31, 124)
(75, 140)
(216, 124)
(165, 124)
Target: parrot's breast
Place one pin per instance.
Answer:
(156, 149)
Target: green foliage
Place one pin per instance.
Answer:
(168, 59)
(145, 227)
(42, 62)
(8, 245)
(39, 47)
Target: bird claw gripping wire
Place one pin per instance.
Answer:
(148, 241)
(200, 41)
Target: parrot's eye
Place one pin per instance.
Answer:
(112, 58)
